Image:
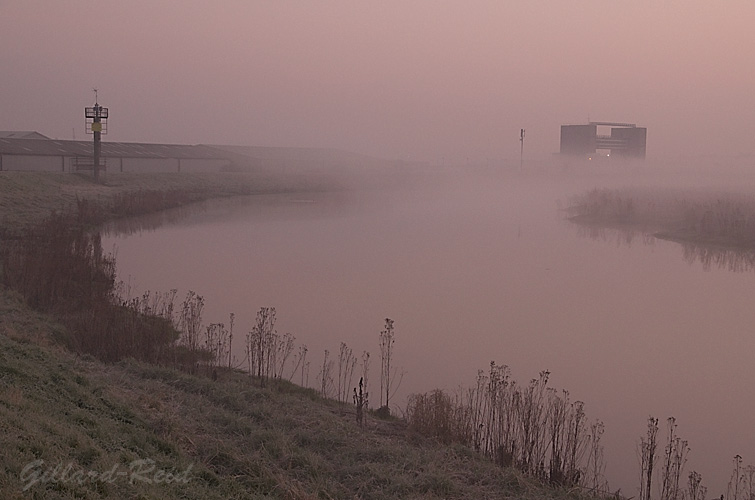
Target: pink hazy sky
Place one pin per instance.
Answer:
(419, 80)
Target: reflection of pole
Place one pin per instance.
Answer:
(521, 149)
(97, 127)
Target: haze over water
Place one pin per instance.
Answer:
(481, 270)
(474, 272)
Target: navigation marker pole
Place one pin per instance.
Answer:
(96, 124)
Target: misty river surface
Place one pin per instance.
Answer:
(473, 272)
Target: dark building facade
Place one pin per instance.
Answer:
(578, 140)
(626, 140)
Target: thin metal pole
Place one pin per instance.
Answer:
(96, 128)
(96, 142)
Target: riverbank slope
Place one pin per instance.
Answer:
(75, 427)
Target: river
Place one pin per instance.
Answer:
(473, 271)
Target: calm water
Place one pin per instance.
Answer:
(476, 271)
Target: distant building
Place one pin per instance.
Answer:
(626, 140)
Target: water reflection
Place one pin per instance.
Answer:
(272, 206)
(151, 222)
(621, 237)
(722, 258)
(709, 257)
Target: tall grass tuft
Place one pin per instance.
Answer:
(301, 365)
(361, 401)
(326, 376)
(388, 382)
(672, 463)
(674, 459)
(190, 321)
(533, 428)
(742, 482)
(695, 489)
(647, 452)
(217, 345)
(261, 343)
(346, 364)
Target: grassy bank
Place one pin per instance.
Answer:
(27, 198)
(77, 427)
(235, 439)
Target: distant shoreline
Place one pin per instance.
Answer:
(716, 221)
(28, 198)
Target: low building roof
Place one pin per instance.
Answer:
(52, 147)
(328, 156)
(21, 134)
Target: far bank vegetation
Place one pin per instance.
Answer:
(702, 217)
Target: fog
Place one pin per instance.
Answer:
(481, 266)
(443, 82)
